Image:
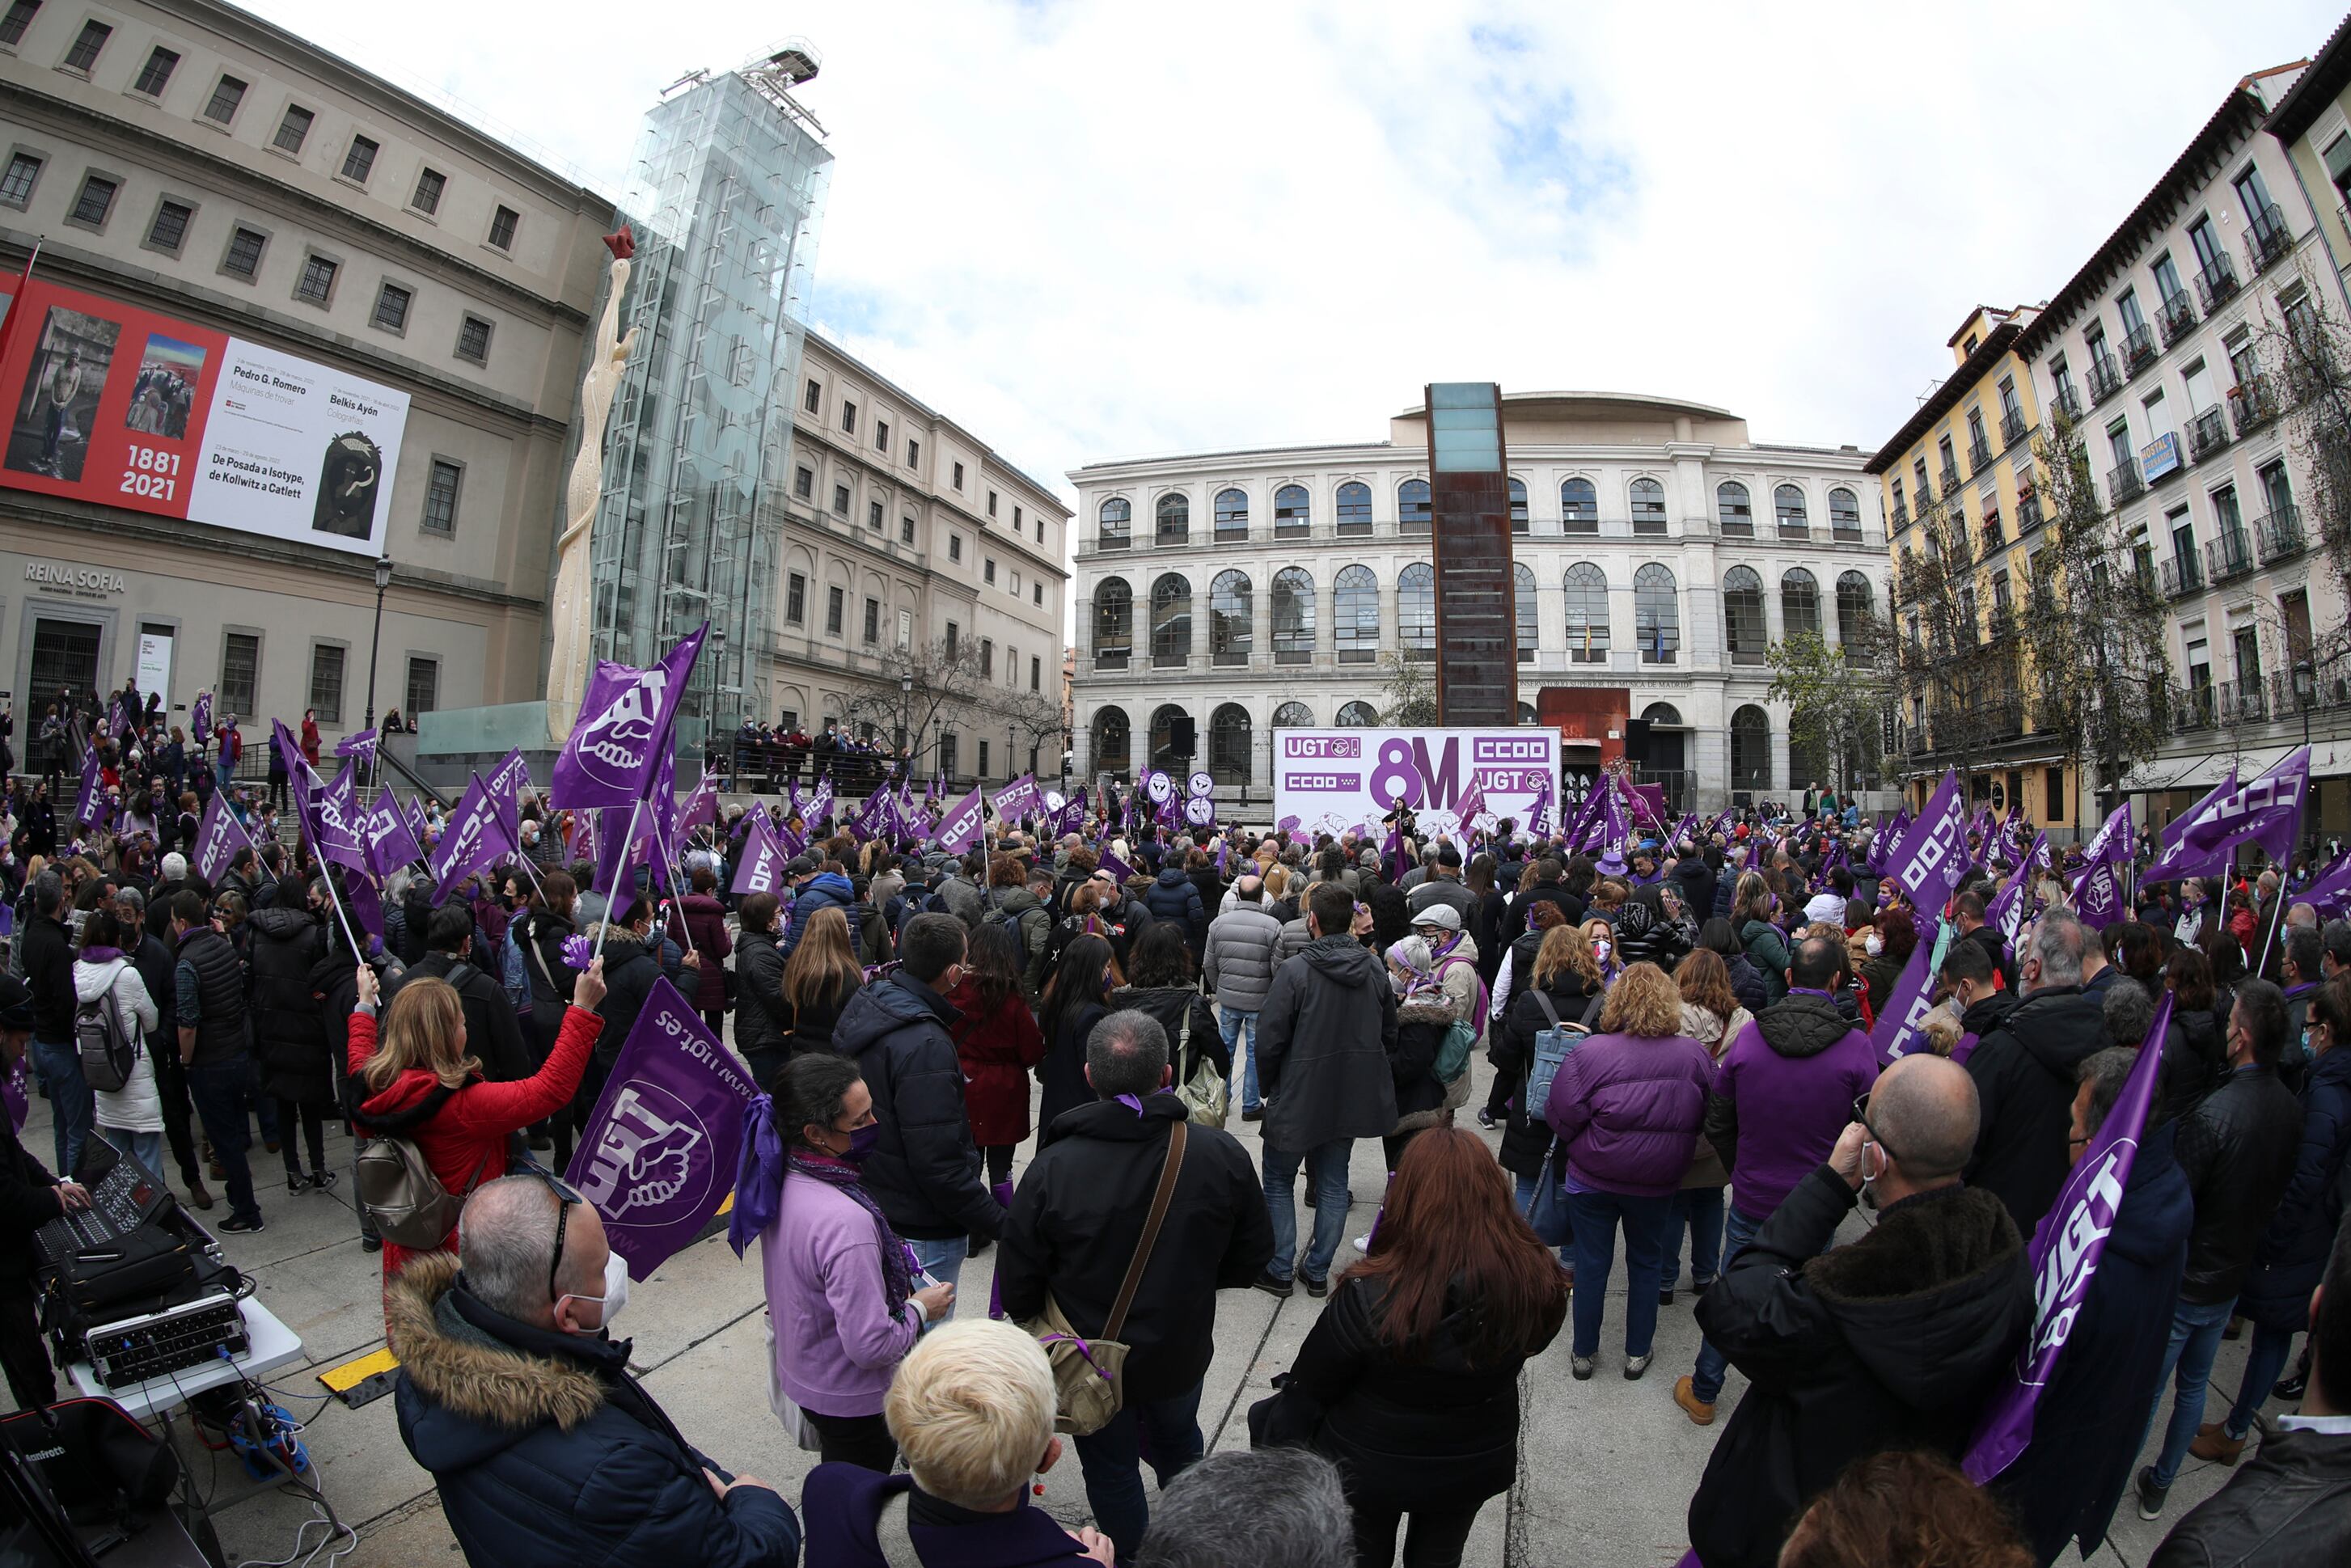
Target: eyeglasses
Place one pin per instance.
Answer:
(566, 1195)
(1861, 1114)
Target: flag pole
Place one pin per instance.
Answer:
(605, 929)
(328, 876)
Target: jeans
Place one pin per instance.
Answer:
(1697, 1209)
(943, 1261)
(2263, 1361)
(1596, 1216)
(1235, 1026)
(1326, 1173)
(1109, 1457)
(147, 1148)
(2196, 1330)
(1705, 1378)
(219, 1091)
(71, 1104)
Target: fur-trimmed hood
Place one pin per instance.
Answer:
(1432, 1007)
(487, 1394)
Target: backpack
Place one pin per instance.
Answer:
(108, 1049)
(1552, 1046)
(410, 1206)
(1461, 1039)
(1008, 922)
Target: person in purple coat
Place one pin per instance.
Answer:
(1627, 1105)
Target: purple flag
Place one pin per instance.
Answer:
(2267, 811)
(1615, 831)
(960, 828)
(91, 805)
(658, 1154)
(1392, 851)
(1927, 863)
(761, 869)
(819, 805)
(505, 784)
(620, 852)
(199, 718)
(2330, 891)
(289, 751)
(474, 838)
(330, 816)
(1117, 868)
(218, 837)
(387, 836)
(361, 745)
(2013, 906)
(2098, 892)
(611, 754)
(1017, 798)
(2066, 1249)
(1912, 997)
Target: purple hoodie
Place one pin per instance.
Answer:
(1783, 1094)
(1628, 1108)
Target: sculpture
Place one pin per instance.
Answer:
(570, 607)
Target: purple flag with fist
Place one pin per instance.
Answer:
(623, 729)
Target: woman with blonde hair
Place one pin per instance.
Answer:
(1627, 1105)
(819, 978)
(418, 1083)
(1712, 1017)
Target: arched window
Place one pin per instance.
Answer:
(1355, 615)
(1358, 716)
(1416, 611)
(1412, 506)
(1113, 623)
(1117, 519)
(1844, 514)
(1855, 608)
(1522, 592)
(1734, 510)
(1232, 515)
(1232, 616)
(1171, 622)
(1163, 754)
(1228, 744)
(1293, 715)
(1751, 750)
(1579, 507)
(1742, 615)
(1518, 522)
(1587, 614)
(1526, 713)
(1787, 501)
(1175, 521)
(1800, 602)
(1657, 614)
(1354, 508)
(1110, 742)
(1293, 616)
(1661, 712)
(1648, 507)
(1293, 513)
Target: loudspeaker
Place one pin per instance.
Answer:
(1637, 742)
(1181, 734)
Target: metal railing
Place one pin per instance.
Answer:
(2193, 709)
(2012, 426)
(1901, 514)
(2299, 691)
(2278, 534)
(2125, 482)
(2180, 577)
(2068, 402)
(2229, 555)
(2176, 317)
(2028, 513)
(2252, 404)
(1951, 482)
(2244, 702)
(2104, 379)
(2267, 238)
(2208, 432)
(1979, 455)
(2139, 348)
(2216, 283)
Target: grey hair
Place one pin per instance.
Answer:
(2106, 1073)
(1126, 1054)
(505, 1239)
(130, 895)
(1245, 1506)
(2058, 941)
(2129, 1013)
(48, 892)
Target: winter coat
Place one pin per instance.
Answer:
(843, 1504)
(1782, 1094)
(1701, 1024)
(1767, 949)
(1079, 1213)
(837, 1344)
(813, 1026)
(2288, 1504)
(466, 1141)
(289, 1038)
(630, 968)
(924, 1170)
(1526, 1135)
(545, 1452)
(2291, 1257)
(998, 1050)
(1238, 961)
(1696, 882)
(2024, 1085)
(541, 933)
(2239, 1148)
(1893, 1341)
(826, 890)
(1031, 930)
(759, 1011)
(493, 1033)
(2093, 1416)
(700, 922)
(1190, 1023)
(1430, 1430)
(1173, 897)
(1445, 890)
(1515, 924)
(2194, 1062)
(1422, 1024)
(136, 1107)
(1627, 1109)
(1061, 1076)
(1322, 1043)
(1391, 919)
(1484, 925)
(1645, 934)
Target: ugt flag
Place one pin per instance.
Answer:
(2099, 894)
(1910, 1000)
(2267, 811)
(624, 730)
(658, 1154)
(2066, 1249)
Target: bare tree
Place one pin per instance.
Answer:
(918, 684)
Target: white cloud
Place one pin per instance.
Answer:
(1090, 230)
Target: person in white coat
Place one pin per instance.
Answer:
(131, 1117)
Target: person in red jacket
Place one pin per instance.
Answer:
(999, 1043)
(699, 922)
(466, 1134)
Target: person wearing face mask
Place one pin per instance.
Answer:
(515, 1394)
(845, 1299)
(1973, 994)
(1889, 1342)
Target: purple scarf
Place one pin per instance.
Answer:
(100, 955)
(759, 1190)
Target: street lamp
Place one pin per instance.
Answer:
(375, 641)
(906, 717)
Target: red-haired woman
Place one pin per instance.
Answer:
(1409, 1380)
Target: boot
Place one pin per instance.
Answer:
(2213, 1442)
(198, 1195)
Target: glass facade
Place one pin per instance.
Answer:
(726, 203)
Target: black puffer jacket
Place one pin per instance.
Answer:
(1890, 1341)
(542, 933)
(630, 968)
(1422, 1025)
(2194, 1062)
(2238, 1149)
(1747, 983)
(1695, 882)
(1323, 1040)
(1645, 934)
(758, 992)
(1527, 1139)
(284, 949)
(2025, 1082)
(1172, 896)
(924, 1172)
(1185, 1014)
(2292, 1258)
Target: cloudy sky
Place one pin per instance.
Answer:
(1091, 231)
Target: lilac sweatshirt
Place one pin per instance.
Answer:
(836, 1345)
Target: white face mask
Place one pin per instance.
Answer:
(1873, 945)
(615, 1296)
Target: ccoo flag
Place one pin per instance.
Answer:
(2266, 810)
(762, 867)
(474, 838)
(624, 730)
(1927, 863)
(960, 828)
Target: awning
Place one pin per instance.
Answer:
(2329, 759)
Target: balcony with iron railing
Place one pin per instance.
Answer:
(2229, 555)
(2012, 426)
(1951, 482)
(2180, 577)
(1901, 514)
(2176, 317)
(2216, 283)
(2305, 690)
(2254, 403)
(2104, 378)
(2028, 513)
(2003, 622)
(2208, 432)
(2068, 402)
(2139, 348)
(1978, 454)
(2267, 239)
(2195, 708)
(2244, 702)
(2125, 482)
(2278, 535)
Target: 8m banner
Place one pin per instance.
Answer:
(116, 406)
(1333, 780)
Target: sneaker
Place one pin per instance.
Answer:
(2150, 1496)
(321, 1180)
(1273, 1284)
(1364, 1243)
(1699, 1411)
(2213, 1442)
(1634, 1366)
(2294, 1384)
(1582, 1367)
(1485, 1118)
(243, 1225)
(1317, 1287)
(294, 1183)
